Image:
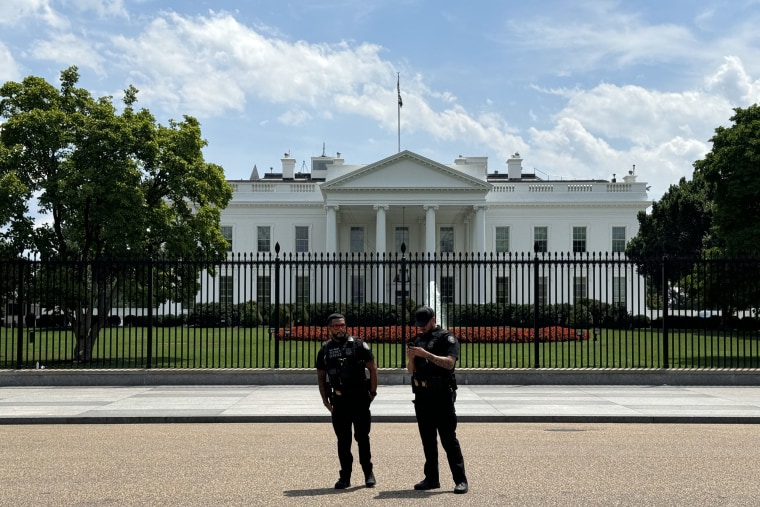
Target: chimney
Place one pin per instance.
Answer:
(631, 176)
(514, 167)
(288, 167)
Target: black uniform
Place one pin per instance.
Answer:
(345, 367)
(434, 395)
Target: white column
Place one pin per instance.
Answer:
(381, 250)
(331, 240)
(480, 229)
(430, 228)
(380, 232)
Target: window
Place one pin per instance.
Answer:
(302, 239)
(580, 287)
(227, 234)
(501, 241)
(263, 288)
(402, 237)
(579, 239)
(541, 239)
(303, 286)
(447, 289)
(263, 238)
(618, 239)
(502, 290)
(618, 290)
(357, 239)
(446, 243)
(225, 290)
(357, 288)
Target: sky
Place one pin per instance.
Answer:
(580, 89)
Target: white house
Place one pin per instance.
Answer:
(430, 206)
(433, 208)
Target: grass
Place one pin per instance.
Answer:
(183, 347)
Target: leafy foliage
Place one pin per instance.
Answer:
(110, 185)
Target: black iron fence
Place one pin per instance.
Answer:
(268, 311)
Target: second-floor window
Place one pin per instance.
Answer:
(501, 240)
(618, 239)
(579, 239)
(446, 240)
(541, 239)
(357, 240)
(302, 239)
(227, 234)
(263, 238)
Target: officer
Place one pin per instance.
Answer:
(347, 394)
(431, 358)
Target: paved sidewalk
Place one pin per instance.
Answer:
(301, 403)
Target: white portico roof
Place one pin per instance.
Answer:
(403, 174)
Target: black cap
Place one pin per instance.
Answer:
(423, 315)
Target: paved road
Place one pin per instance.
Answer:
(234, 464)
(301, 403)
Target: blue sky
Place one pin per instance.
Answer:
(581, 89)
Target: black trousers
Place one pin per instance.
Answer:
(436, 417)
(352, 413)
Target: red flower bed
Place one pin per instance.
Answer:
(393, 334)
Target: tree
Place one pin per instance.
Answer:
(680, 225)
(733, 168)
(109, 184)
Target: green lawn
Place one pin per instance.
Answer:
(183, 347)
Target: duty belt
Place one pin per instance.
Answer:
(431, 383)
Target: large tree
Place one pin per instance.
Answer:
(107, 184)
(733, 168)
(679, 225)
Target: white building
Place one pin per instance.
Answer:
(431, 207)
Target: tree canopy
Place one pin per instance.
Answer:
(733, 168)
(106, 185)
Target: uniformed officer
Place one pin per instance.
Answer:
(347, 394)
(431, 358)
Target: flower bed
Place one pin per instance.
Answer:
(393, 334)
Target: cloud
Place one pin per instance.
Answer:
(9, 69)
(15, 12)
(65, 48)
(732, 82)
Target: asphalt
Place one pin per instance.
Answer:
(302, 404)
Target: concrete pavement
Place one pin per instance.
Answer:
(301, 403)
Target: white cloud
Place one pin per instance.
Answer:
(19, 11)
(68, 49)
(732, 82)
(9, 69)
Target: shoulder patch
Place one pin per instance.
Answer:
(452, 339)
(366, 345)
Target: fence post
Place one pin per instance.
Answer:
(403, 306)
(149, 353)
(20, 320)
(536, 347)
(277, 305)
(665, 297)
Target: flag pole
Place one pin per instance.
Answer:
(400, 103)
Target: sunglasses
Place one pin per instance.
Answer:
(337, 326)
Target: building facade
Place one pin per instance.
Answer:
(433, 209)
(430, 207)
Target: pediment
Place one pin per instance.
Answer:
(405, 171)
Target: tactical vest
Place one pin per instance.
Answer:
(345, 370)
(429, 375)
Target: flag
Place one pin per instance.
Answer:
(398, 88)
